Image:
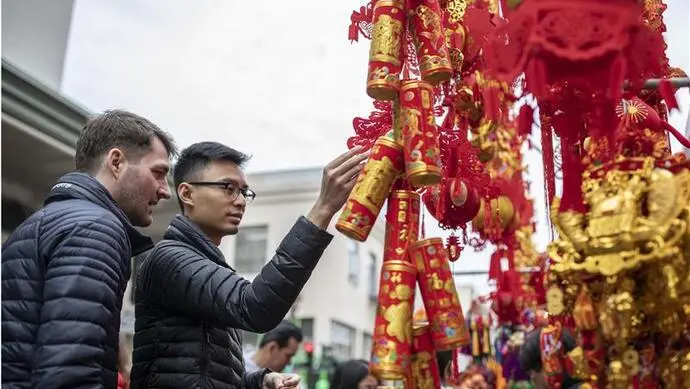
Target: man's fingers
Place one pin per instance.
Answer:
(354, 171)
(291, 380)
(349, 184)
(350, 164)
(345, 156)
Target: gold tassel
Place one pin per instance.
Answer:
(486, 341)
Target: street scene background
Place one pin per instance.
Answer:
(278, 80)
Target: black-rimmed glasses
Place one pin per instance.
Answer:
(231, 189)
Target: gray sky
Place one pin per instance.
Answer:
(278, 80)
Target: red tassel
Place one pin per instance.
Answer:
(617, 76)
(525, 120)
(668, 93)
(491, 104)
(495, 265)
(353, 33)
(454, 368)
(676, 134)
(536, 78)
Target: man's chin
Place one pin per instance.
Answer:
(231, 229)
(143, 221)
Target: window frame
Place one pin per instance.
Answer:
(257, 262)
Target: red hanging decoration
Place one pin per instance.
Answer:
(453, 247)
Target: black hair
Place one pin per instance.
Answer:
(117, 128)
(282, 334)
(198, 156)
(348, 374)
(443, 358)
(530, 354)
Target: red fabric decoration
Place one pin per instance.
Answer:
(368, 130)
(525, 120)
(360, 22)
(668, 94)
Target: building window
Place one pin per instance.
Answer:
(307, 327)
(373, 280)
(353, 262)
(366, 345)
(342, 341)
(250, 249)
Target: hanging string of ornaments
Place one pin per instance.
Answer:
(459, 87)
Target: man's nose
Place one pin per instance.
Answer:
(164, 191)
(240, 200)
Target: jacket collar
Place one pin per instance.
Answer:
(186, 231)
(85, 187)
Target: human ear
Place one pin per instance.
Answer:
(115, 162)
(273, 346)
(185, 193)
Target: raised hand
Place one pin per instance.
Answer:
(281, 381)
(339, 177)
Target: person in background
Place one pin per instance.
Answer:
(276, 349)
(353, 374)
(124, 363)
(65, 269)
(444, 362)
(530, 359)
(190, 305)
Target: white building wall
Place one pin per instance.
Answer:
(281, 198)
(34, 36)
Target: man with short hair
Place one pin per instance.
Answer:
(531, 359)
(65, 269)
(189, 299)
(276, 349)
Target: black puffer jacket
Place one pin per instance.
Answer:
(190, 305)
(64, 272)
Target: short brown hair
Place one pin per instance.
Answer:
(117, 128)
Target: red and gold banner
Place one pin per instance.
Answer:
(392, 339)
(386, 50)
(402, 224)
(372, 187)
(430, 39)
(439, 294)
(425, 373)
(420, 135)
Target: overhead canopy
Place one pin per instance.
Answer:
(39, 132)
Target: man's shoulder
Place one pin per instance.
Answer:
(165, 254)
(56, 221)
(79, 213)
(168, 247)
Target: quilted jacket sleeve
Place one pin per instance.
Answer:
(182, 279)
(254, 380)
(84, 276)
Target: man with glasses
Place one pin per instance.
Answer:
(188, 298)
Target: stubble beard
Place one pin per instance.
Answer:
(131, 199)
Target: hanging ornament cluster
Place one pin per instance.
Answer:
(458, 87)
